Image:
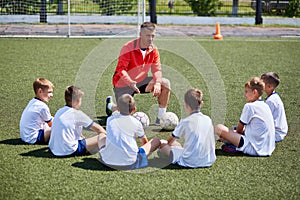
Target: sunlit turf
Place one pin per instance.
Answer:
(31, 172)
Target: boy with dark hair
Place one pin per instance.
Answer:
(121, 150)
(66, 135)
(198, 132)
(275, 103)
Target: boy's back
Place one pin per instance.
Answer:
(34, 118)
(121, 147)
(260, 129)
(66, 130)
(199, 145)
(277, 108)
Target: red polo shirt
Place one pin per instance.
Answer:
(132, 67)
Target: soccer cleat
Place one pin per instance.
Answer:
(157, 122)
(229, 148)
(107, 108)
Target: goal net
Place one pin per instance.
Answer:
(76, 18)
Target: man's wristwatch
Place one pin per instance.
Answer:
(133, 84)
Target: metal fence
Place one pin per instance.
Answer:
(129, 7)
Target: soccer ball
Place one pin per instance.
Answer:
(168, 121)
(142, 117)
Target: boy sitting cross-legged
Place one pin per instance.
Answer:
(275, 103)
(66, 136)
(198, 132)
(121, 150)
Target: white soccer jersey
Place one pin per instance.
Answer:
(276, 105)
(121, 148)
(34, 117)
(199, 141)
(260, 130)
(67, 129)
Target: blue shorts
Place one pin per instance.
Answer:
(141, 160)
(81, 149)
(41, 137)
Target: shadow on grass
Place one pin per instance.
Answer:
(101, 120)
(95, 164)
(219, 152)
(92, 164)
(165, 163)
(15, 141)
(39, 153)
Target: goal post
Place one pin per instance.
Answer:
(68, 18)
(108, 15)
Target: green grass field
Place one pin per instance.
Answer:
(219, 68)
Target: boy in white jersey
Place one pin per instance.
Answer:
(66, 134)
(198, 132)
(275, 103)
(36, 120)
(121, 150)
(255, 133)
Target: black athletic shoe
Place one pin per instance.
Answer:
(107, 110)
(157, 122)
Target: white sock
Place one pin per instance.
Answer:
(110, 105)
(161, 111)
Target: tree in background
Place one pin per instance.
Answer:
(19, 6)
(204, 7)
(293, 9)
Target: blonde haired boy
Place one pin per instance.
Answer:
(255, 133)
(36, 120)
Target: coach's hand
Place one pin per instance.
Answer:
(156, 89)
(133, 85)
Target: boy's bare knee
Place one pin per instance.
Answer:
(220, 128)
(156, 142)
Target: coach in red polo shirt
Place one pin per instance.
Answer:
(137, 57)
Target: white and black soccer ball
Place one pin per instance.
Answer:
(168, 121)
(142, 117)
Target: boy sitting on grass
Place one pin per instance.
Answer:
(66, 135)
(36, 120)
(255, 133)
(275, 103)
(121, 150)
(198, 132)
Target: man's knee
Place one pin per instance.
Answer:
(166, 83)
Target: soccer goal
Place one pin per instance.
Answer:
(76, 18)
(117, 12)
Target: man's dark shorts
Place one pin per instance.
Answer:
(128, 90)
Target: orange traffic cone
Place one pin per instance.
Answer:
(217, 35)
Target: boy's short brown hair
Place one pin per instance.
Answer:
(72, 94)
(42, 83)
(126, 104)
(271, 78)
(193, 98)
(256, 83)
